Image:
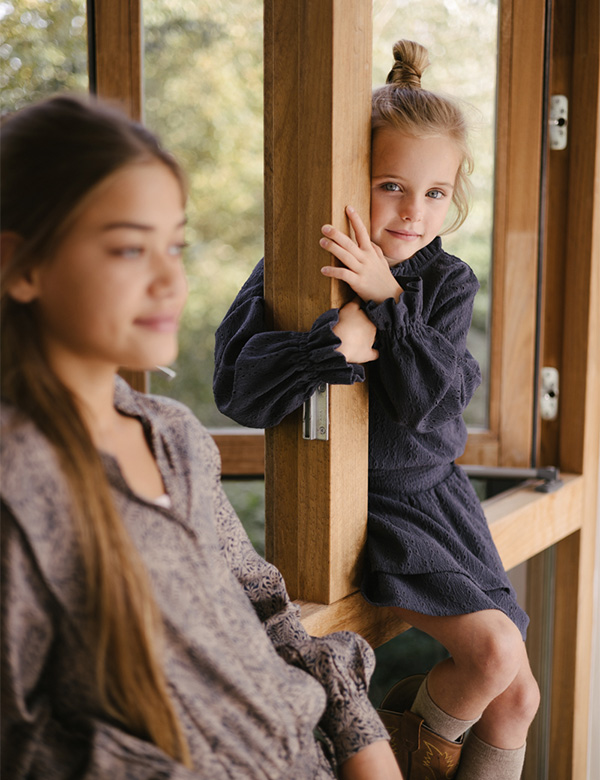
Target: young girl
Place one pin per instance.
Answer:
(429, 551)
(142, 636)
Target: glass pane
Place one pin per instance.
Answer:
(203, 87)
(449, 28)
(43, 50)
(203, 71)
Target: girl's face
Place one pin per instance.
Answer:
(412, 182)
(113, 292)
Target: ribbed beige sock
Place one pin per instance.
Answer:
(480, 761)
(445, 725)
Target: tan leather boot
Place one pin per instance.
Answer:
(421, 754)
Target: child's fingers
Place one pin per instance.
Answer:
(345, 256)
(363, 238)
(336, 236)
(341, 273)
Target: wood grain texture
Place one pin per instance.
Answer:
(242, 452)
(579, 427)
(317, 141)
(516, 215)
(119, 53)
(118, 64)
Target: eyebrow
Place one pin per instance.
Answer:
(135, 226)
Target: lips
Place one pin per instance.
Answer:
(405, 235)
(161, 323)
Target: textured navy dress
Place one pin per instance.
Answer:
(429, 548)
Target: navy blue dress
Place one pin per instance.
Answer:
(429, 548)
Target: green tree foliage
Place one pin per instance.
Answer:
(43, 50)
(204, 95)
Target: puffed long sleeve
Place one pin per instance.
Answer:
(425, 375)
(262, 375)
(341, 662)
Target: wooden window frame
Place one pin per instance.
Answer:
(524, 523)
(508, 439)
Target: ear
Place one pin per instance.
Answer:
(23, 288)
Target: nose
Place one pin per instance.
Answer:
(410, 210)
(168, 278)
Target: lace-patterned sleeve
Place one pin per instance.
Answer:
(35, 743)
(342, 662)
(261, 375)
(425, 375)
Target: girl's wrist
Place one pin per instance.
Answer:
(393, 291)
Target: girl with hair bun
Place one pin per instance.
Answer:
(142, 635)
(429, 550)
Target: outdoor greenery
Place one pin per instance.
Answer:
(43, 50)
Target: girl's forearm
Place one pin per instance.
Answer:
(374, 761)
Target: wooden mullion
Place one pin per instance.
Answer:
(119, 54)
(517, 213)
(118, 69)
(317, 133)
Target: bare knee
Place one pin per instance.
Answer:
(495, 655)
(514, 710)
(523, 697)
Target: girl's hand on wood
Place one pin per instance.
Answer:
(365, 268)
(357, 334)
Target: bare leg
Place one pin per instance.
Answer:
(487, 675)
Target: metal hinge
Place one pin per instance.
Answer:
(559, 117)
(549, 393)
(315, 414)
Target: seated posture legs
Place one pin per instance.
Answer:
(486, 685)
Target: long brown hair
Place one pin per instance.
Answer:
(53, 155)
(403, 105)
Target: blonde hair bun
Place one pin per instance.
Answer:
(410, 60)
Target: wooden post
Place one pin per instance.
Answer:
(317, 150)
(118, 53)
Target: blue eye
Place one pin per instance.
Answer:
(129, 252)
(436, 194)
(390, 186)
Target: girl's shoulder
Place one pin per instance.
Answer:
(450, 272)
